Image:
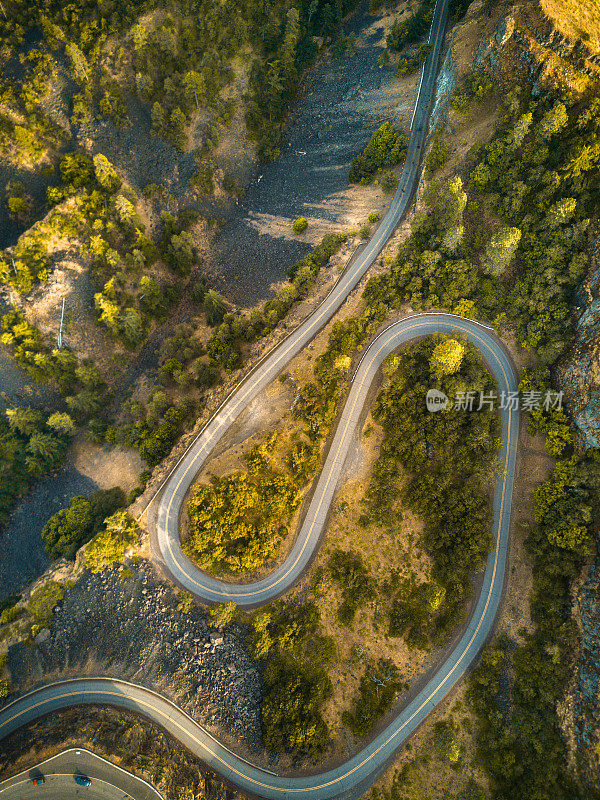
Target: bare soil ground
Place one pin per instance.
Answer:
(579, 21)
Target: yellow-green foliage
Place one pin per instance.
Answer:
(474, 89)
(438, 155)
(446, 741)
(237, 522)
(300, 225)
(447, 357)
(222, 614)
(43, 600)
(110, 545)
(10, 614)
(386, 148)
(408, 65)
(186, 602)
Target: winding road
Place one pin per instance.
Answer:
(166, 541)
(351, 779)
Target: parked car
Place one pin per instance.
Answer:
(82, 780)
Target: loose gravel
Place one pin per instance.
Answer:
(132, 628)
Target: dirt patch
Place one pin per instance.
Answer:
(107, 466)
(70, 281)
(578, 20)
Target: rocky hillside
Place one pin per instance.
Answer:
(522, 43)
(579, 373)
(551, 46)
(128, 623)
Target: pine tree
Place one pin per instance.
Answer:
(61, 424)
(195, 89)
(552, 122)
(500, 250)
(79, 64)
(106, 174)
(561, 212)
(157, 116)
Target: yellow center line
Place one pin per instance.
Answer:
(254, 593)
(170, 722)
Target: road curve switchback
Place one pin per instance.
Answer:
(351, 779)
(166, 539)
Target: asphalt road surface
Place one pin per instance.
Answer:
(108, 781)
(351, 779)
(208, 588)
(165, 539)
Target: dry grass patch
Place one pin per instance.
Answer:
(576, 19)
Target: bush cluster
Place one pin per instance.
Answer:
(71, 527)
(386, 148)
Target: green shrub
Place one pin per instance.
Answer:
(348, 571)
(376, 692)
(221, 615)
(446, 742)
(10, 614)
(29, 449)
(186, 602)
(42, 602)
(69, 528)
(215, 307)
(438, 155)
(386, 148)
(300, 225)
(388, 181)
(110, 545)
(406, 66)
(475, 88)
(295, 678)
(411, 28)
(252, 508)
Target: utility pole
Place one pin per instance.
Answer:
(62, 316)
